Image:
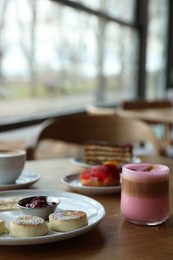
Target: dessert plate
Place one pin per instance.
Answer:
(72, 181)
(25, 180)
(68, 200)
(80, 162)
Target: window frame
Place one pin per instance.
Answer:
(169, 69)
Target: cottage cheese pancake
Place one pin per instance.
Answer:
(28, 226)
(67, 220)
(2, 226)
(8, 204)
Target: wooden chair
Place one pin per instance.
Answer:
(77, 129)
(142, 104)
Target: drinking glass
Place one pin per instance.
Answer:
(145, 193)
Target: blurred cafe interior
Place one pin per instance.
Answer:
(60, 57)
(76, 74)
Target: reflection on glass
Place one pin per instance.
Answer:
(114, 8)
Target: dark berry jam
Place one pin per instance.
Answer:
(38, 202)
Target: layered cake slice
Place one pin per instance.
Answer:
(98, 152)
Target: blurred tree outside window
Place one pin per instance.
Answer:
(54, 57)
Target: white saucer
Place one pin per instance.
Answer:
(80, 162)
(72, 181)
(25, 180)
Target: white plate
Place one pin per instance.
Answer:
(79, 162)
(25, 180)
(73, 182)
(95, 213)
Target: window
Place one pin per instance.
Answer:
(61, 55)
(157, 48)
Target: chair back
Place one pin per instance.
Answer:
(78, 129)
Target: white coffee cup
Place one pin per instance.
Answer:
(12, 162)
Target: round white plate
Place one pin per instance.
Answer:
(72, 181)
(68, 200)
(25, 180)
(79, 162)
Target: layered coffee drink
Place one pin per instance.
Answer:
(145, 193)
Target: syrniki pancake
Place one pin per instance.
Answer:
(28, 226)
(8, 204)
(67, 220)
(2, 226)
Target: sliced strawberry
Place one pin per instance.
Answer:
(103, 174)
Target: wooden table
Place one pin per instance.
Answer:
(162, 116)
(113, 238)
(150, 115)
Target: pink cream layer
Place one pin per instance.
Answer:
(144, 209)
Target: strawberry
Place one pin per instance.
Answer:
(101, 175)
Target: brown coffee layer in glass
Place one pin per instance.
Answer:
(143, 189)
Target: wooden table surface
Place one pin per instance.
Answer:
(150, 115)
(113, 238)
